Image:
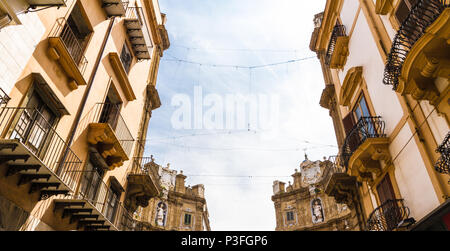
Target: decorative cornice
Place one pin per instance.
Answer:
(122, 76)
(351, 81)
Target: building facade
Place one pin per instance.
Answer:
(179, 207)
(79, 86)
(386, 72)
(304, 206)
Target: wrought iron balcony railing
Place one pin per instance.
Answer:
(143, 166)
(110, 114)
(421, 16)
(443, 163)
(93, 190)
(391, 215)
(338, 31)
(367, 127)
(4, 98)
(71, 42)
(40, 137)
(334, 168)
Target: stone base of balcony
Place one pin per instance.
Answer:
(428, 61)
(343, 188)
(141, 188)
(103, 137)
(31, 171)
(58, 52)
(84, 214)
(365, 161)
(341, 53)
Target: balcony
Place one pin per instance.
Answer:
(4, 98)
(95, 207)
(109, 134)
(418, 63)
(65, 48)
(337, 52)
(364, 146)
(443, 164)
(35, 154)
(338, 183)
(392, 215)
(138, 32)
(143, 183)
(115, 8)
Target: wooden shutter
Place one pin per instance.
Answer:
(349, 123)
(385, 190)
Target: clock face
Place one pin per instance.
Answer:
(311, 173)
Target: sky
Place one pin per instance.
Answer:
(238, 165)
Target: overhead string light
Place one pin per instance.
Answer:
(175, 59)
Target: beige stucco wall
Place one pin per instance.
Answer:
(17, 44)
(412, 177)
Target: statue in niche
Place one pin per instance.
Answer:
(317, 211)
(161, 213)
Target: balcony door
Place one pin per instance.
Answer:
(363, 116)
(34, 125)
(76, 33)
(112, 203)
(389, 208)
(91, 184)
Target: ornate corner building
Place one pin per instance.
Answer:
(304, 205)
(78, 87)
(178, 208)
(386, 70)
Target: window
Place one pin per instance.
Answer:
(126, 58)
(112, 201)
(76, 34)
(403, 9)
(385, 193)
(187, 219)
(111, 109)
(361, 110)
(35, 123)
(92, 179)
(290, 216)
(385, 190)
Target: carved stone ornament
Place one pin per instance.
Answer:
(311, 172)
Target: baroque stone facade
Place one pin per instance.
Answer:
(179, 207)
(303, 206)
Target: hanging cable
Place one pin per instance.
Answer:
(175, 59)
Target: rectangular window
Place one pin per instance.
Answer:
(34, 125)
(76, 34)
(361, 109)
(290, 216)
(126, 58)
(187, 219)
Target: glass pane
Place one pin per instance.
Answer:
(364, 108)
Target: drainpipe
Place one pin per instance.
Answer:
(87, 91)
